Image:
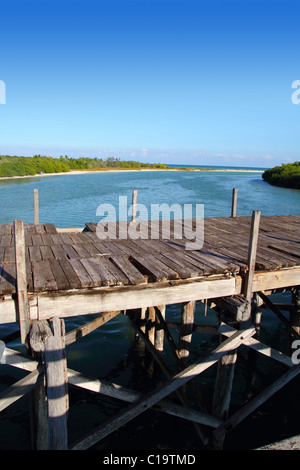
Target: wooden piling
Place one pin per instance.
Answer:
(134, 204)
(56, 386)
(186, 328)
(159, 333)
(36, 206)
(234, 202)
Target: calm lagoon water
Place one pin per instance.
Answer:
(112, 353)
(71, 200)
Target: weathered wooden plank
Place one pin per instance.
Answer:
(58, 252)
(81, 272)
(123, 298)
(35, 254)
(70, 274)
(70, 252)
(46, 252)
(60, 277)
(130, 271)
(43, 278)
(149, 267)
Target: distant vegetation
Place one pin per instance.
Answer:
(286, 175)
(23, 166)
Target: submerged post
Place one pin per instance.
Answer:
(234, 202)
(36, 206)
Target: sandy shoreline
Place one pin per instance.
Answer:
(81, 172)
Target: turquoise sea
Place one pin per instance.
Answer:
(112, 353)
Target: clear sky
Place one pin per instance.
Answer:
(174, 81)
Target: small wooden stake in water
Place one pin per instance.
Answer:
(134, 203)
(234, 202)
(36, 206)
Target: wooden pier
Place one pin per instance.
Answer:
(49, 274)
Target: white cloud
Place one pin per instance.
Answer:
(267, 157)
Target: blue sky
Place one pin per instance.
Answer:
(174, 81)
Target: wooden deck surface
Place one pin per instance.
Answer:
(58, 261)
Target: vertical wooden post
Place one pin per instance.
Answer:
(257, 311)
(295, 310)
(36, 206)
(222, 392)
(252, 254)
(39, 332)
(151, 324)
(134, 203)
(56, 383)
(159, 336)
(186, 328)
(234, 202)
(23, 308)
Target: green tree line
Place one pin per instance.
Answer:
(287, 175)
(24, 166)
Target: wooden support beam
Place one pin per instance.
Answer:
(150, 325)
(162, 392)
(252, 255)
(159, 333)
(23, 309)
(295, 310)
(36, 207)
(234, 202)
(186, 328)
(253, 404)
(259, 347)
(84, 330)
(237, 307)
(277, 312)
(222, 391)
(77, 379)
(56, 386)
(124, 394)
(19, 389)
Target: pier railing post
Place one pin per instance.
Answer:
(21, 280)
(234, 202)
(252, 254)
(36, 206)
